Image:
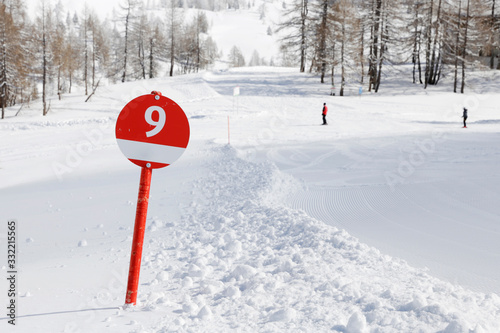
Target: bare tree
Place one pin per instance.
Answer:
(457, 47)
(156, 40)
(128, 7)
(467, 19)
(296, 27)
(346, 31)
(57, 49)
(322, 31)
(378, 38)
(13, 65)
(42, 31)
(493, 36)
(417, 42)
(173, 22)
(433, 67)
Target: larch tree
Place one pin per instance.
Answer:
(72, 52)
(128, 8)
(42, 32)
(464, 48)
(433, 66)
(493, 33)
(457, 47)
(100, 49)
(295, 25)
(139, 36)
(13, 64)
(377, 45)
(346, 31)
(417, 38)
(322, 31)
(58, 48)
(174, 19)
(156, 43)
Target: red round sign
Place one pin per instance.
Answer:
(152, 131)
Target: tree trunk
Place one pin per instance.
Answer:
(93, 59)
(86, 55)
(59, 87)
(3, 77)
(434, 65)
(322, 41)
(492, 58)
(375, 47)
(342, 50)
(462, 89)
(172, 54)
(333, 70)
(416, 43)
(379, 71)
(459, 21)
(172, 37)
(303, 36)
(44, 64)
(361, 53)
(127, 19)
(419, 63)
(383, 37)
(151, 49)
(428, 48)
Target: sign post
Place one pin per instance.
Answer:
(138, 240)
(152, 131)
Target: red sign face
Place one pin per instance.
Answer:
(152, 131)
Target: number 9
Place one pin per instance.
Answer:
(158, 125)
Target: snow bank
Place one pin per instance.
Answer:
(247, 265)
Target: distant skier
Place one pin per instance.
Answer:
(323, 113)
(465, 117)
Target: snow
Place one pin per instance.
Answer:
(386, 220)
(293, 227)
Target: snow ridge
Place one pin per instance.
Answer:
(240, 262)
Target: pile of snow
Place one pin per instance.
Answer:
(277, 269)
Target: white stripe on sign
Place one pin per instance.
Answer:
(149, 152)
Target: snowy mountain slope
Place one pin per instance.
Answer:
(247, 28)
(226, 248)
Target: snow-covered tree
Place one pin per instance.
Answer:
(236, 58)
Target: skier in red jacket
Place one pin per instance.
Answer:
(324, 112)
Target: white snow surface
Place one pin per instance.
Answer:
(386, 220)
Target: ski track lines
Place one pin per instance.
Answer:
(377, 204)
(423, 216)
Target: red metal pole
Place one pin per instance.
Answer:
(138, 240)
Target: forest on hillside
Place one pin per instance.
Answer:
(58, 50)
(359, 37)
(350, 39)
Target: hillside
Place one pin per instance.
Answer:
(292, 227)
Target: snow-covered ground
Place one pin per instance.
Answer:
(386, 220)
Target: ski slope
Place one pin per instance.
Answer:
(384, 220)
